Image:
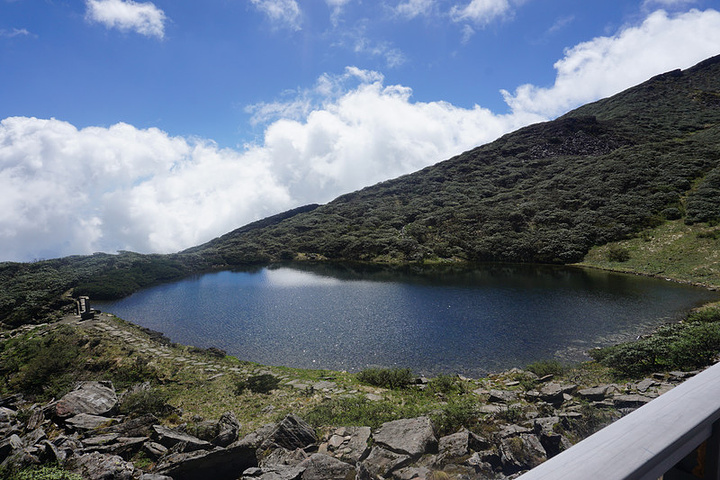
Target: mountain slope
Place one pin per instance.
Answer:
(546, 193)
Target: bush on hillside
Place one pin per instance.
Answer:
(386, 377)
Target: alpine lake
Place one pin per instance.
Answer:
(469, 321)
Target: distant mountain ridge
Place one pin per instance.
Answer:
(546, 193)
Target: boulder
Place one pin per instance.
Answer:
(257, 437)
(502, 396)
(281, 457)
(10, 446)
(460, 444)
(325, 467)
(594, 394)
(630, 401)
(85, 421)
(136, 427)
(292, 432)
(125, 447)
(219, 464)
(350, 444)
(94, 398)
(227, 430)
(169, 438)
(521, 452)
(645, 384)
(413, 436)
(65, 447)
(97, 466)
(411, 473)
(381, 462)
(154, 450)
(7, 415)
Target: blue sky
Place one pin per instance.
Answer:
(155, 126)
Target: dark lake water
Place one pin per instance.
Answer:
(430, 320)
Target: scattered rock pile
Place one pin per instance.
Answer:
(83, 433)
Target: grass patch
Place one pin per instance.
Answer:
(674, 250)
(359, 411)
(542, 368)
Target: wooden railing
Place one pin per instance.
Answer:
(680, 425)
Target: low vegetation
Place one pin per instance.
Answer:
(691, 344)
(392, 378)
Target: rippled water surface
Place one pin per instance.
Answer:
(433, 321)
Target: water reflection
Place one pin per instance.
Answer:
(430, 319)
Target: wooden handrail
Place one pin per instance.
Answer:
(649, 442)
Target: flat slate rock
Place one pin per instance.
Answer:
(85, 421)
(412, 436)
(94, 398)
(169, 438)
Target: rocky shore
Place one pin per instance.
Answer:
(522, 421)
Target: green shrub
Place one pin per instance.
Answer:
(454, 415)
(705, 315)
(264, 383)
(446, 384)
(546, 367)
(688, 345)
(697, 346)
(151, 401)
(391, 378)
(45, 366)
(617, 253)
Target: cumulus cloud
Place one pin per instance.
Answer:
(125, 15)
(69, 191)
(607, 65)
(480, 12)
(369, 133)
(281, 13)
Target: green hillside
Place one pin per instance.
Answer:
(609, 171)
(545, 193)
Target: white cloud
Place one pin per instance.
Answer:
(369, 133)
(667, 3)
(480, 12)
(15, 32)
(281, 13)
(336, 6)
(68, 190)
(414, 8)
(607, 65)
(359, 42)
(143, 18)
